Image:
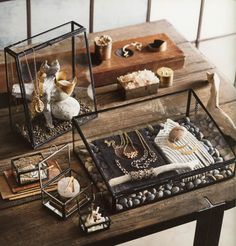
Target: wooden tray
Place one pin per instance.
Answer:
(108, 71)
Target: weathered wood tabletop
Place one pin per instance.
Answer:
(30, 224)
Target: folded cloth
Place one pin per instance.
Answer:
(188, 143)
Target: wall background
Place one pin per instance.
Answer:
(219, 18)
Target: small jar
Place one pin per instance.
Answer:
(103, 47)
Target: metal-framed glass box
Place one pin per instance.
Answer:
(25, 169)
(204, 157)
(49, 81)
(63, 206)
(93, 217)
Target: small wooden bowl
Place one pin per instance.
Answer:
(158, 45)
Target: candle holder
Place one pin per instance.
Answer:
(63, 200)
(25, 169)
(93, 217)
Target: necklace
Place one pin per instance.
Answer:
(37, 105)
(149, 156)
(136, 175)
(126, 146)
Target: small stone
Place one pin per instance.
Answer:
(139, 197)
(203, 177)
(123, 201)
(168, 186)
(130, 203)
(219, 159)
(145, 191)
(87, 164)
(211, 124)
(210, 176)
(224, 173)
(90, 169)
(89, 159)
(211, 151)
(190, 185)
(199, 135)
(219, 176)
(133, 195)
(119, 207)
(161, 187)
(167, 192)
(217, 153)
(153, 191)
(215, 172)
(143, 199)
(187, 120)
(140, 193)
(182, 184)
(150, 128)
(213, 142)
(229, 172)
(197, 182)
(175, 189)
(160, 194)
(136, 202)
(150, 197)
(204, 181)
(207, 142)
(148, 193)
(222, 142)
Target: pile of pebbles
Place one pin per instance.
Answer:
(42, 133)
(217, 148)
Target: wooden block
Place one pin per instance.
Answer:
(108, 71)
(139, 92)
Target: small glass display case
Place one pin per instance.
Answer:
(61, 193)
(25, 169)
(153, 149)
(49, 81)
(93, 216)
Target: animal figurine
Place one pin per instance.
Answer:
(50, 94)
(223, 120)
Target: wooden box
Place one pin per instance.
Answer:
(138, 92)
(107, 72)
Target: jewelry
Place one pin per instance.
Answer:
(37, 105)
(149, 156)
(137, 45)
(137, 175)
(125, 143)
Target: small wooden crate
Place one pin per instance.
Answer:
(138, 92)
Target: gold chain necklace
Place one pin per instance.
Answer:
(149, 156)
(37, 105)
(126, 146)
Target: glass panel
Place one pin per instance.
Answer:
(222, 53)
(113, 14)
(47, 14)
(183, 14)
(219, 18)
(13, 22)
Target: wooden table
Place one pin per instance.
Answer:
(30, 224)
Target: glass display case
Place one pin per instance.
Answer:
(62, 193)
(49, 81)
(152, 149)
